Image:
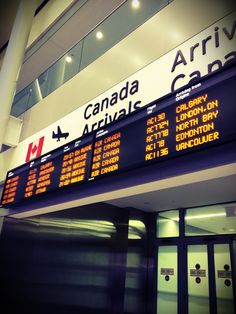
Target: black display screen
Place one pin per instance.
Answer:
(204, 116)
(168, 128)
(62, 167)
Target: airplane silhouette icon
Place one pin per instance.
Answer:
(59, 134)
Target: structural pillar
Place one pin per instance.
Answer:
(13, 60)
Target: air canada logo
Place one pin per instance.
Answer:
(34, 149)
(59, 134)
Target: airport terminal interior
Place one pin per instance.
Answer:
(118, 157)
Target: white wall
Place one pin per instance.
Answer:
(140, 48)
(52, 10)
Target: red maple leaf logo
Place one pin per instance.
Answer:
(34, 149)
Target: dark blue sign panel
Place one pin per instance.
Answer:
(62, 167)
(168, 128)
(196, 118)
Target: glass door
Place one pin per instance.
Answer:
(196, 261)
(198, 282)
(210, 281)
(167, 280)
(203, 284)
(223, 279)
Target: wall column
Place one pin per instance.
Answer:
(13, 60)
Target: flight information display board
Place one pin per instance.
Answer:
(62, 167)
(167, 128)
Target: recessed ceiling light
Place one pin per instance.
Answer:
(99, 35)
(68, 59)
(135, 4)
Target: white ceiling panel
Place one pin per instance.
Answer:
(72, 31)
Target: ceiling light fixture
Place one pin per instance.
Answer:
(205, 216)
(68, 59)
(99, 35)
(135, 4)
